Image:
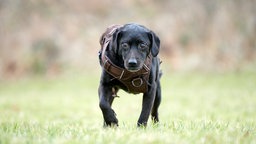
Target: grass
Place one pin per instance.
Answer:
(196, 108)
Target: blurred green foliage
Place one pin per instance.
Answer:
(212, 35)
(44, 56)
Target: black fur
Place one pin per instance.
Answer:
(129, 48)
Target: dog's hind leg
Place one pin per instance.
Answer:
(154, 112)
(147, 104)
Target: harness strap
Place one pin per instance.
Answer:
(115, 71)
(107, 37)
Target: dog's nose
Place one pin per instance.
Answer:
(132, 62)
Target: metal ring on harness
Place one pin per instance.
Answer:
(137, 82)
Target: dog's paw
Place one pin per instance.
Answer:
(142, 124)
(113, 123)
(111, 120)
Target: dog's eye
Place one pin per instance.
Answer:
(125, 46)
(143, 46)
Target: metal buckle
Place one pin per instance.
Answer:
(134, 81)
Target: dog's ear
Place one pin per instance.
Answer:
(115, 40)
(155, 44)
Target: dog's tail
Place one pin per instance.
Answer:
(160, 71)
(160, 74)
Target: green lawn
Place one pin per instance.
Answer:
(196, 108)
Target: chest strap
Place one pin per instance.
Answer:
(135, 82)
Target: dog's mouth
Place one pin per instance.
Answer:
(133, 68)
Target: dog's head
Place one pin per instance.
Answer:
(133, 43)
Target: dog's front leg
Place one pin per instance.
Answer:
(105, 94)
(147, 103)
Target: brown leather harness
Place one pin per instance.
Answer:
(135, 82)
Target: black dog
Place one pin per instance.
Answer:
(129, 61)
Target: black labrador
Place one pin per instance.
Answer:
(130, 50)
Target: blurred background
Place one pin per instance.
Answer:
(45, 37)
